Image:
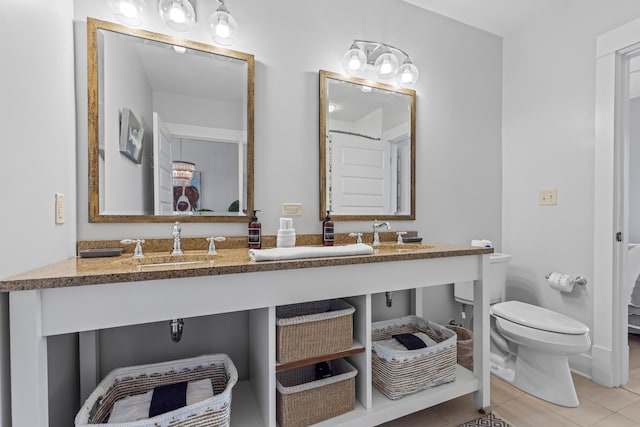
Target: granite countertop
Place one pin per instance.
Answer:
(196, 262)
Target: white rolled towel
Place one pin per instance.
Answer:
(301, 252)
(135, 408)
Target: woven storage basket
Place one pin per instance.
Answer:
(313, 329)
(122, 382)
(302, 400)
(465, 346)
(397, 373)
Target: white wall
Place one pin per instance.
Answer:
(125, 179)
(548, 142)
(199, 111)
(38, 132)
(218, 164)
(458, 113)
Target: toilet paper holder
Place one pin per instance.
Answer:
(578, 280)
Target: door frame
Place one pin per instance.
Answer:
(610, 350)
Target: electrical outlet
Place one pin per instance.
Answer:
(548, 197)
(59, 208)
(292, 209)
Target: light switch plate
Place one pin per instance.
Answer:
(59, 208)
(548, 197)
(292, 209)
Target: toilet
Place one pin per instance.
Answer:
(530, 345)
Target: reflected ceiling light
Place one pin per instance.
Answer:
(179, 15)
(387, 61)
(128, 12)
(182, 172)
(222, 26)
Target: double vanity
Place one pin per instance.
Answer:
(87, 295)
(84, 295)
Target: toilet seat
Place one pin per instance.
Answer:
(539, 318)
(550, 342)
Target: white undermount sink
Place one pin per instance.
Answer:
(151, 261)
(401, 247)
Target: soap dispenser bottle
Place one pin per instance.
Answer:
(255, 232)
(327, 231)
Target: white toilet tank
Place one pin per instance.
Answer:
(496, 277)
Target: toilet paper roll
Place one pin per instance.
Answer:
(561, 282)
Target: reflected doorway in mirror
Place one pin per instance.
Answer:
(367, 149)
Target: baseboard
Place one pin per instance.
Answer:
(602, 366)
(581, 364)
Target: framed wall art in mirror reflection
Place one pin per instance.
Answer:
(186, 197)
(131, 136)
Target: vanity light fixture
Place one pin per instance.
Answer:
(387, 61)
(179, 15)
(128, 12)
(222, 26)
(354, 61)
(182, 172)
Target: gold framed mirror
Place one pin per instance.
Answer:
(170, 128)
(367, 149)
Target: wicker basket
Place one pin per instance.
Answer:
(465, 346)
(313, 329)
(122, 382)
(302, 400)
(397, 373)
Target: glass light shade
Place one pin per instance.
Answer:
(223, 27)
(182, 172)
(128, 12)
(408, 74)
(354, 61)
(179, 15)
(386, 66)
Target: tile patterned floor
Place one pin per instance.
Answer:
(599, 406)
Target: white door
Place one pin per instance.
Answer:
(400, 175)
(162, 173)
(360, 175)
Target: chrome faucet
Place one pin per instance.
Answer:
(137, 252)
(377, 226)
(177, 245)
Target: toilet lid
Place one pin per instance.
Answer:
(537, 317)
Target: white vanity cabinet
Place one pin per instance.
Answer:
(38, 313)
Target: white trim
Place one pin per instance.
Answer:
(618, 39)
(206, 133)
(603, 221)
(610, 365)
